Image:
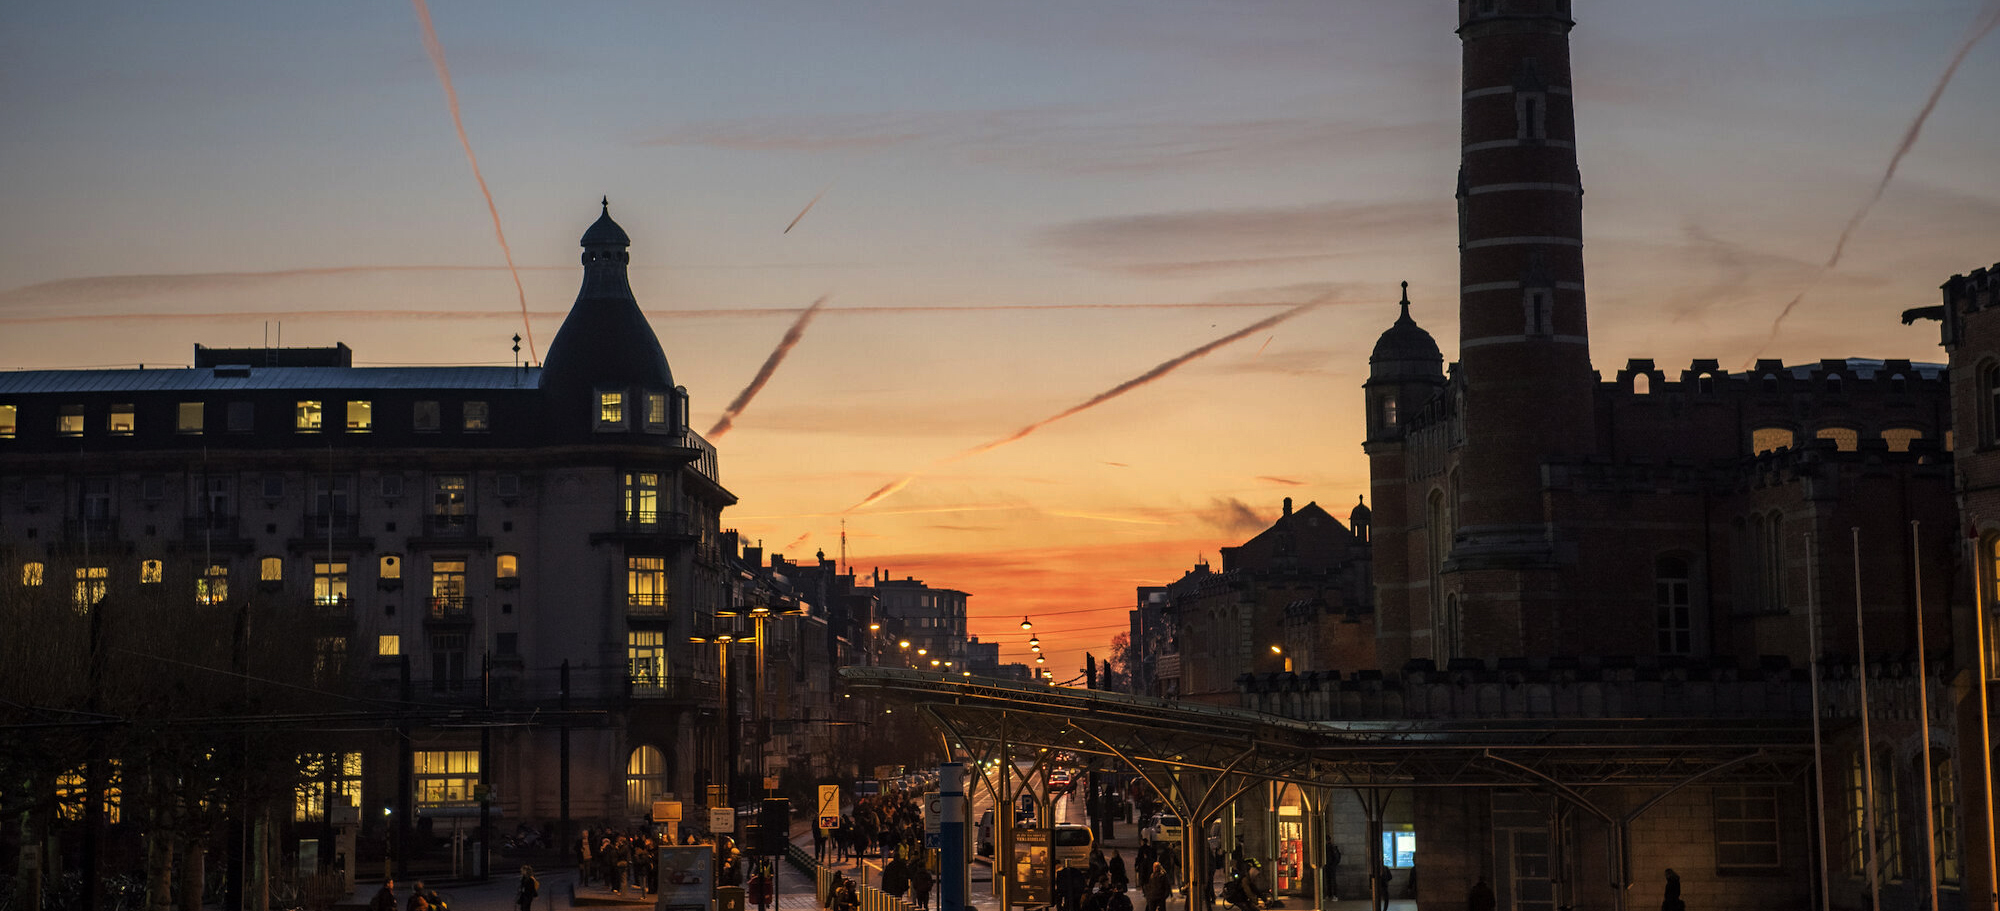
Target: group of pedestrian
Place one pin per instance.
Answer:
(881, 825)
(618, 860)
(909, 874)
(422, 898)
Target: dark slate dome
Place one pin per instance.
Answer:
(606, 232)
(1405, 340)
(1361, 514)
(605, 342)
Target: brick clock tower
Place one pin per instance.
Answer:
(1524, 345)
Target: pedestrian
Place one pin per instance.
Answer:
(524, 894)
(759, 892)
(1333, 871)
(620, 856)
(583, 859)
(417, 901)
(432, 899)
(1117, 864)
(920, 885)
(385, 897)
(1145, 861)
(819, 843)
(1672, 901)
(1156, 888)
(896, 877)
(1481, 897)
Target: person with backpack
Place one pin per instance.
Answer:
(524, 894)
(920, 884)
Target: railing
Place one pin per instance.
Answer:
(450, 607)
(217, 526)
(654, 605)
(451, 525)
(103, 528)
(872, 899)
(704, 461)
(670, 523)
(340, 524)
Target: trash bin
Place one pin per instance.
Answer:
(728, 898)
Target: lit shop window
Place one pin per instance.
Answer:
(446, 777)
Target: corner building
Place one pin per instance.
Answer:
(560, 524)
(1555, 546)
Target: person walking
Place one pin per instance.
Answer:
(1672, 901)
(759, 891)
(530, 887)
(417, 902)
(1116, 866)
(1156, 888)
(920, 885)
(1481, 897)
(385, 897)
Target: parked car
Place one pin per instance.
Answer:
(1163, 827)
(986, 834)
(1069, 845)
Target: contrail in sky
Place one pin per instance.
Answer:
(777, 356)
(808, 208)
(1981, 27)
(1159, 370)
(436, 50)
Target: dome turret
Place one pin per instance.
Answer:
(1405, 341)
(607, 348)
(1405, 372)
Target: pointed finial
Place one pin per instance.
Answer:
(607, 202)
(1406, 300)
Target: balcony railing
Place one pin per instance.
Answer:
(704, 460)
(335, 524)
(455, 525)
(450, 608)
(666, 523)
(646, 605)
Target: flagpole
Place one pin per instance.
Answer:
(1924, 715)
(1813, 653)
(1979, 602)
(1867, 739)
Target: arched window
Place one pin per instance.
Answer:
(1899, 438)
(31, 574)
(1846, 439)
(1944, 815)
(645, 779)
(1888, 814)
(1770, 382)
(1389, 411)
(1673, 608)
(1771, 439)
(1642, 384)
(1897, 384)
(1449, 633)
(1833, 384)
(1704, 383)
(271, 569)
(150, 571)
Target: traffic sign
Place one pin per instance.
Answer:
(933, 814)
(721, 819)
(829, 806)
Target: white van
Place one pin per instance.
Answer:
(1070, 846)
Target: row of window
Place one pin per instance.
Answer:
(330, 583)
(615, 411)
(1846, 439)
(1888, 831)
(309, 416)
(331, 494)
(1642, 383)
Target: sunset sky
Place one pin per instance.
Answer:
(1025, 204)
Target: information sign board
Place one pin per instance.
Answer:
(1031, 879)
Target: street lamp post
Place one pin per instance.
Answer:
(728, 693)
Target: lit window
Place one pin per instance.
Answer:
(308, 417)
(31, 574)
(360, 417)
(149, 571)
(330, 583)
(213, 586)
(425, 418)
(645, 780)
(271, 569)
(391, 567)
(1746, 829)
(1845, 439)
(656, 411)
(611, 410)
(646, 659)
(1399, 849)
(507, 566)
(475, 417)
(72, 421)
(389, 646)
(10, 421)
(1944, 815)
(1770, 439)
(323, 772)
(1899, 438)
(121, 420)
(1389, 411)
(91, 583)
(641, 497)
(447, 587)
(446, 778)
(646, 581)
(448, 501)
(188, 419)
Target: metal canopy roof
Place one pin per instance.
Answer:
(1157, 736)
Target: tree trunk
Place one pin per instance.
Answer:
(194, 873)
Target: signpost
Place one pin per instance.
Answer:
(1030, 877)
(667, 811)
(721, 819)
(829, 806)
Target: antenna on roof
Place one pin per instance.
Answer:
(843, 546)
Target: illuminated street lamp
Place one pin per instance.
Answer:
(1279, 650)
(1025, 625)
